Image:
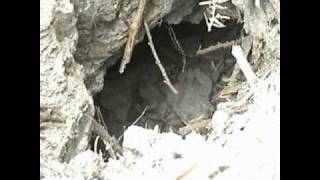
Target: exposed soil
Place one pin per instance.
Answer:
(219, 126)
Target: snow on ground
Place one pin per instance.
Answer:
(241, 146)
(247, 147)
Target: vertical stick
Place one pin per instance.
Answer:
(133, 31)
(243, 63)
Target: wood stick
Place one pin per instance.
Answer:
(140, 116)
(198, 126)
(104, 134)
(157, 60)
(215, 47)
(95, 147)
(135, 121)
(133, 31)
(243, 64)
(177, 45)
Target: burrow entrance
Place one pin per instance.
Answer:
(125, 96)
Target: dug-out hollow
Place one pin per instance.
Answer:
(125, 96)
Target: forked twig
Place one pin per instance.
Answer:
(212, 18)
(157, 60)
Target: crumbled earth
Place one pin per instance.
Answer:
(78, 40)
(241, 146)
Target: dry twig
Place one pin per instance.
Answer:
(103, 133)
(140, 116)
(212, 18)
(199, 126)
(177, 45)
(133, 31)
(215, 47)
(221, 169)
(135, 121)
(100, 116)
(157, 60)
(185, 173)
(243, 63)
(95, 147)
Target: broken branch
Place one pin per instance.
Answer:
(133, 31)
(95, 147)
(157, 60)
(104, 134)
(243, 63)
(198, 126)
(215, 47)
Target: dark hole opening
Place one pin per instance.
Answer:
(125, 96)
